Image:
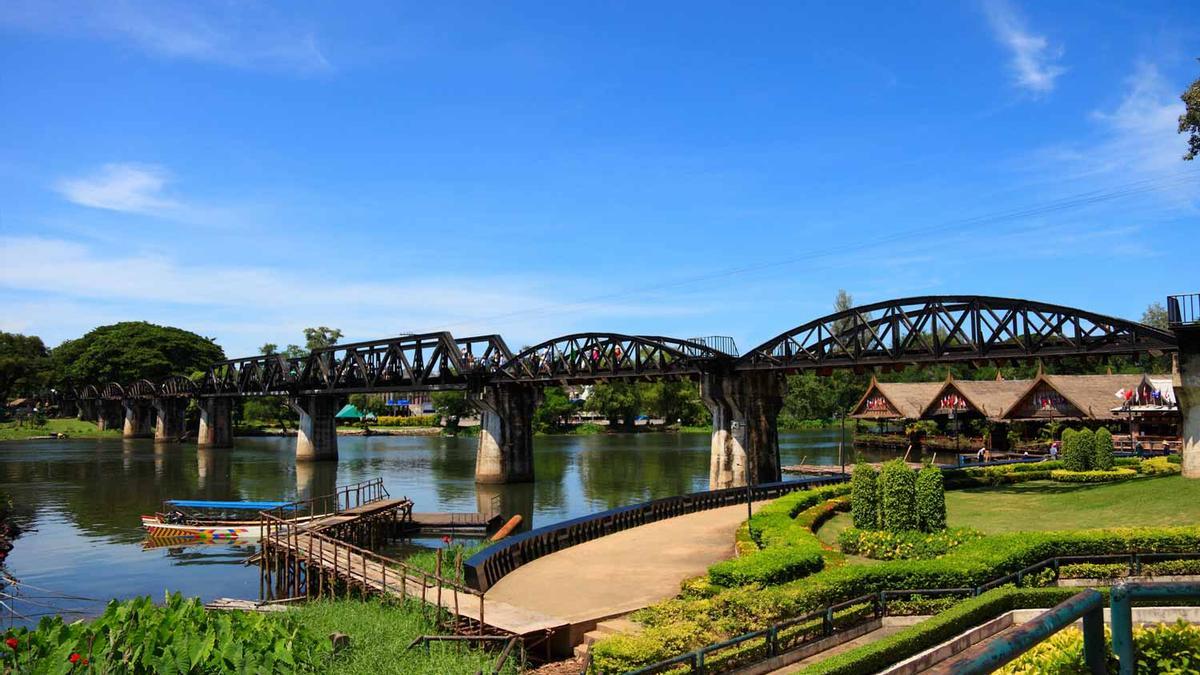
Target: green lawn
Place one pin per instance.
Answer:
(9, 431)
(379, 638)
(1046, 505)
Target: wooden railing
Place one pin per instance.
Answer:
(300, 562)
(491, 564)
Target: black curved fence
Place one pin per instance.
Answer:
(485, 568)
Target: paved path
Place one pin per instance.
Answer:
(623, 571)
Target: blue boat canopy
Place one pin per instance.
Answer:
(202, 504)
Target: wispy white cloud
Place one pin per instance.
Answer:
(1034, 61)
(246, 305)
(245, 35)
(129, 188)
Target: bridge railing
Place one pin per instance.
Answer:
(1183, 310)
(485, 568)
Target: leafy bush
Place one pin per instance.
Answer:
(921, 605)
(1175, 459)
(1093, 571)
(1093, 476)
(687, 624)
(1158, 466)
(931, 500)
(1171, 568)
(1102, 449)
(138, 636)
(785, 547)
(410, 421)
(912, 545)
(1162, 648)
(1072, 451)
(1087, 448)
(898, 496)
(864, 504)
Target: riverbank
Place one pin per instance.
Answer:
(54, 428)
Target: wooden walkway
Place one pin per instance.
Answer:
(374, 574)
(348, 516)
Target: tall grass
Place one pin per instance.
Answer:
(380, 633)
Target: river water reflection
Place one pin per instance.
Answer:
(82, 498)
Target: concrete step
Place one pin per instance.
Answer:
(618, 625)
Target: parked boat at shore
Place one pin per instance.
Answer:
(207, 520)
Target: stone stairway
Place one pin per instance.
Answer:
(603, 629)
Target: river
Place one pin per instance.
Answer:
(81, 499)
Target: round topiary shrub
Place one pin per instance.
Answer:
(1102, 449)
(931, 500)
(898, 490)
(864, 505)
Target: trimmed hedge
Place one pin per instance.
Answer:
(1102, 449)
(786, 547)
(931, 500)
(1093, 476)
(984, 476)
(898, 496)
(1072, 451)
(679, 625)
(1158, 466)
(864, 497)
(966, 614)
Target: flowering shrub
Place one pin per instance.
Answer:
(1092, 476)
(137, 636)
(912, 545)
(1158, 466)
(1163, 648)
(410, 421)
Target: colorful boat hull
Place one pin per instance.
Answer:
(157, 529)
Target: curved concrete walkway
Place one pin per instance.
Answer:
(621, 572)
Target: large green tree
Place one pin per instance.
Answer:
(131, 350)
(1189, 121)
(620, 402)
(674, 401)
(554, 411)
(24, 365)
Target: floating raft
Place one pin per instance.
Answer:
(455, 521)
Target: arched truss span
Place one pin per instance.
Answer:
(177, 386)
(941, 329)
(144, 389)
(113, 392)
(428, 361)
(587, 357)
(89, 392)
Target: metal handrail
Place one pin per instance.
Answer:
(1120, 600)
(1183, 310)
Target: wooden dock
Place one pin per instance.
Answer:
(330, 556)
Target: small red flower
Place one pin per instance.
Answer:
(12, 643)
(446, 539)
(85, 662)
(73, 658)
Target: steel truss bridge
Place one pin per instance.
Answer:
(884, 335)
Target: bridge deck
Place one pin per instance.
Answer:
(350, 515)
(372, 575)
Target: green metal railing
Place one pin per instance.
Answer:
(1120, 600)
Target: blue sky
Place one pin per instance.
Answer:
(244, 170)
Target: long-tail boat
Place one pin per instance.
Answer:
(208, 520)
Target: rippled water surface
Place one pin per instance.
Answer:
(81, 498)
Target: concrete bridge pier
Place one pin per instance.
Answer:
(109, 415)
(505, 453)
(316, 438)
(1187, 393)
(170, 419)
(216, 423)
(139, 419)
(69, 408)
(88, 411)
(745, 439)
